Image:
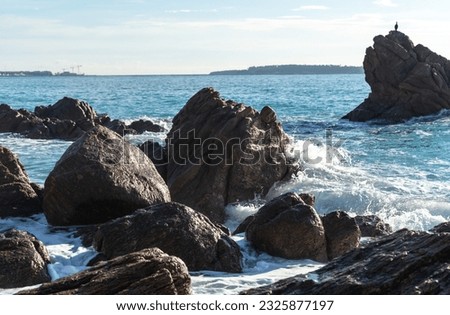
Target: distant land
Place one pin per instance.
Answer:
(294, 69)
(37, 74)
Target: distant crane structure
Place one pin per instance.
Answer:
(72, 69)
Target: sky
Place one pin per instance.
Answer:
(200, 36)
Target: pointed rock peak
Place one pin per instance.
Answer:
(401, 39)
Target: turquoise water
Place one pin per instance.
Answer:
(400, 172)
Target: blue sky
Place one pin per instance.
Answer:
(180, 37)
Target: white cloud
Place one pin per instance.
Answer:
(311, 8)
(385, 3)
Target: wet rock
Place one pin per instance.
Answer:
(405, 262)
(372, 226)
(342, 233)
(287, 227)
(142, 126)
(177, 230)
(18, 197)
(23, 260)
(441, 228)
(406, 81)
(100, 177)
(147, 272)
(222, 152)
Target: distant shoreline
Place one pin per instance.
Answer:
(293, 69)
(39, 74)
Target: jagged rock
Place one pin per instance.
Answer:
(405, 262)
(342, 233)
(441, 228)
(158, 154)
(23, 260)
(100, 177)
(372, 226)
(177, 230)
(287, 227)
(147, 272)
(222, 152)
(406, 81)
(68, 109)
(18, 197)
(31, 126)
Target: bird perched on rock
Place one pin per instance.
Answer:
(396, 26)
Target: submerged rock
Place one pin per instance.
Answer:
(18, 197)
(147, 272)
(406, 81)
(100, 177)
(287, 227)
(221, 152)
(405, 262)
(177, 230)
(23, 260)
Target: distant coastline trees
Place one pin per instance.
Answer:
(294, 69)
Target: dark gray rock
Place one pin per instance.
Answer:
(405, 262)
(100, 177)
(23, 260)
(68, 108)
(372, 226)
(177, 230)
(142, 126)
(18, 197)
(406, 81)
(222, 152)
(158, 154)
(147, 272)
(441, 228)
(288, 228)
(342, 233)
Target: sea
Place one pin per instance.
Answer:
(400, 172)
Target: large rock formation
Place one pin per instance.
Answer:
(23, 260)
(100, 177)
(405, 262)
(287, 227)
(18, 196)
(67, 119)
(177, 230)
(221, 152)
(147, 272)
(406, 80)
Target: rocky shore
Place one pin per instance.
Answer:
(155, 213)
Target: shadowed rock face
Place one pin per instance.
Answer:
(405, 262)
(287, 227)
(177, 230)
(372, 226)
(146, 272)
(23, 260)
(67, 119)
(18, 197)
(101, 177)
(342, 233)
(221, 152)
(406, 81)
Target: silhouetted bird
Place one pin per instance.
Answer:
(396, 26)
